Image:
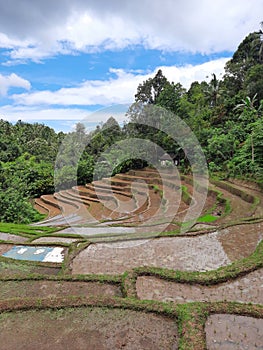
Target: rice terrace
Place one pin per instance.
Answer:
(161, 292)
(141, 227)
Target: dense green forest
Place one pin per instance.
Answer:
(226, 115)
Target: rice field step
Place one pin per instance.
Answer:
(40, 206)
(149, 180)
(83, 194)
(75, 197)
(104, 184)
(154, 174)
(116, 181)
(107, 189)
(67, 206)
(50, 200)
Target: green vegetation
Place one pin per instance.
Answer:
(225, 115)
(207, 218)
(18, 229)
(27, 155)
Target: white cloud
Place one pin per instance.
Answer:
(120, 89)
(14, 113)
(189, 73)
(92, 92)
(40, 29)
(12, 80)
(63, 118)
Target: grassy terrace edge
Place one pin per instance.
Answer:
(237, 269)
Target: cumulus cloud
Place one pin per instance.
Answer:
(38, 29)
(189, 73)
(118, 89)
(12, 80)
(91, 92)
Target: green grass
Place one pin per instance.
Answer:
(18, 229)
(207, 218)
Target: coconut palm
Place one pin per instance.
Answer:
(213, 92)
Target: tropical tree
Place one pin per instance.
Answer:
(253, 83)
(250, 114)
(149, 91)
(213, 92)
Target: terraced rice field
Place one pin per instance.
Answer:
(139, 272)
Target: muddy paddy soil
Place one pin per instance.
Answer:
(55, 240)
(5, 248)
(87, 329)
(240, 241)
(245, 290)
(44, 289)
(199, 253)
(13, 268)
(179, 253)
(231, 332)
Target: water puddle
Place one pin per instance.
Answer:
(40, 253)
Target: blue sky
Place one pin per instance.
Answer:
(60, 61)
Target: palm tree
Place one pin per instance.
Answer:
(214, 92)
